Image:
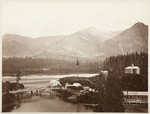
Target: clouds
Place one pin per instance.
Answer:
(35, 19)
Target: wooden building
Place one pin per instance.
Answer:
(132, 69)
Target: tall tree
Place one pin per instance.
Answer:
(113, 95)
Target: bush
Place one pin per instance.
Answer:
(75, 88)
(7, 86)
(135, 82)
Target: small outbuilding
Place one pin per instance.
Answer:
(77, 84)
(104, 72)
(132, 69)
(54, 83)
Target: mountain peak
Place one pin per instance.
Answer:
(90, 28)
(139, 24)
(91, 31)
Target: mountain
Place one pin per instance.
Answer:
(15, 45)
(20, 46)
(109, 34)
(88, 43)
(83, 43)
(133, 39)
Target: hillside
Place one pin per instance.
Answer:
(88, 43)
(133, 39)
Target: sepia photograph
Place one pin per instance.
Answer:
(74, 56)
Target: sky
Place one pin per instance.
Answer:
(36, 18)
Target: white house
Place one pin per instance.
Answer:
(77, 84)
(74, 84)
(53, 83)
(132, 69)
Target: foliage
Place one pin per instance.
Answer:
(7, 86)
(120, 62)
(30, 66)
(75, 88)
(90, 97)
(135, 82)
(110, 96)
(7, 99)
(114, 95)
(64, 93)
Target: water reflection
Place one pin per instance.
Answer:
(38, 104)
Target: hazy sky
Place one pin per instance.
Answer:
(35, 19)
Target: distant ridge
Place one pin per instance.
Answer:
(88, 43)
(133, 39)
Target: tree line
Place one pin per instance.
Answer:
(120, 62)
(29, 66)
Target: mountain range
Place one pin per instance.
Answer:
(88, 43)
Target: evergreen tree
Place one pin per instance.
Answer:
(121, 61)
(102, 98)
(110, 95)
(113, 95)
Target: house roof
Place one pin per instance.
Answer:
(132, 67)
(77, 84)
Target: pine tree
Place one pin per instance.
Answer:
(101, 99)
(113, 95)
(110, 95)
(77, 62)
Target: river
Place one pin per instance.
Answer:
(38, 104)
